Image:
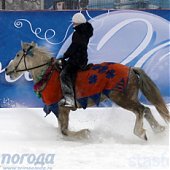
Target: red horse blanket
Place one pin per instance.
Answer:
(100, 78)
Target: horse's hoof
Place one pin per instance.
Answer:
(159, 129)
(143, 136)
(83, 134)
(87, 133)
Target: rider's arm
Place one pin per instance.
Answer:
(71, 50)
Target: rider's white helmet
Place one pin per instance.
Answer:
(78, 18)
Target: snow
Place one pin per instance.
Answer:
(111, 144)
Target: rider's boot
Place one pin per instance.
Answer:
(68, 102)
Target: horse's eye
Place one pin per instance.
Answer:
(17, 55)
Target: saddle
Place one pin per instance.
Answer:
(87, 67)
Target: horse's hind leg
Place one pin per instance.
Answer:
(129, 101)
(138, 109)
(134, 105)
(63, 121)
(144, 112)
(156, 127)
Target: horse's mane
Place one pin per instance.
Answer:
(42, 52)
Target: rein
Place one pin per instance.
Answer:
(27, 69)
(32, 68)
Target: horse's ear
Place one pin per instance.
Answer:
(22, 44)
(33, 44)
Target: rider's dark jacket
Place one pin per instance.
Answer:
(77, 51)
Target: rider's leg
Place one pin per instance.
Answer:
(67, 78)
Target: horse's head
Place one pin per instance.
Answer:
(29, 58)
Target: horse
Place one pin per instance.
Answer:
(93, 86)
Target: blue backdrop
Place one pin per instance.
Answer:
(134, 38)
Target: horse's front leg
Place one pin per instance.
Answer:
(63, 121)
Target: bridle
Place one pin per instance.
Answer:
(25, 53)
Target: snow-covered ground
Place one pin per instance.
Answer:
(111, 145)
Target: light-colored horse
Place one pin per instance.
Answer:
(35, 59)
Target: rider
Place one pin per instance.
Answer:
(75, 58)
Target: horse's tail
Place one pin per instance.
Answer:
(152, 93)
